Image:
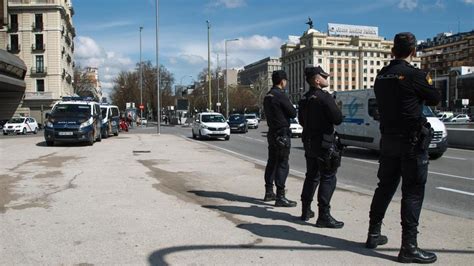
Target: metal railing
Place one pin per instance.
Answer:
(39, 71)
(38, 95)
(37, 47)
(14, 48)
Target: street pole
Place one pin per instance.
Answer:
(158, 70)
(141, 77)
(209, 61)
(227, 85)
(218, 98)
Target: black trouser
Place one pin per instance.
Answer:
(314, 177)
(400, 158)
(277, 167)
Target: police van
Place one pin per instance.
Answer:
(110, 120)
(360, 126)
(73, 119)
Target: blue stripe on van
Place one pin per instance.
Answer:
(358, 121)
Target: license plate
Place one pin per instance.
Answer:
(65, 133)
(432, 146)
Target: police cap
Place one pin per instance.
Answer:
(312, 71)
(278, 76)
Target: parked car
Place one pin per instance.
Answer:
(238, 123)
(2, 123)
(461, 118)
(445, 116)
(110, 120)
(210, 125)
(20, 125)
(296, 128)
(252, 120)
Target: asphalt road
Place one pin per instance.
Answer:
(450, 186)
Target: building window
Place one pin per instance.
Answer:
(346, 70)
(320, 61)
(353, 62)
(365, 62)
(38, 42)
(339, 70)
(331, 61)
(353, 79)
(372, 79)
(14, 22)
(331, 70)
(331, 53)
(371, 71)
(371, 62)
(38, 22)
(39, 64)
(365, 70)
(14, 45)
(378, 63)
(40, 85)
(365, 78)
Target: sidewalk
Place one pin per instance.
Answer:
(168, 200)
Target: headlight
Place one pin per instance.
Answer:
(86, 124)
(203, 126)
(241, 125)
(445, 133)
(227, 127)
(49, 124)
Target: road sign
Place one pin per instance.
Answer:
(465, 102)
(142, 107)
(218, 104)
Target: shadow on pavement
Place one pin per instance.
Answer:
(63, 144)
(229, 197)
(256, 211)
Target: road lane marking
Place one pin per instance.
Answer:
(431, 172)
(454, 158)
(465, 150)
(456, 191)
(259, 140)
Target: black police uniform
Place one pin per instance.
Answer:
(318, 113)
(278, 110)
(401, 90)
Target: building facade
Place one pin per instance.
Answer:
(41, 33)
(450, 60)
(261, 69)
(353, 61)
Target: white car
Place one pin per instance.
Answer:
(252, 120)
(210, 125)
(296, 128)
(461, 118)
(20, 125)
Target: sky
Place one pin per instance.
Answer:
(108, 30)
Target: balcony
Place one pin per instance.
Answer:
(68, 40)
(39, 71)
(14, 49)
(69, 59)
(38, 95)
(68, 78)
(38, 47)
(13, 27)
(37, 26)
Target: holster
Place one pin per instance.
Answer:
(331, 153)
(425, 136)
(283, 139)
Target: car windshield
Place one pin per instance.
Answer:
(235, 118)
(80, 110)
(427, 112)
(16, 120)
(251, 116)
(104, 112)
(213, 119)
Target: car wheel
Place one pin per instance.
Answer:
(5, 133)
(200, 135)
(116, 133)
(227, 137)
(24, 131)
(49, 143)
(256, 127)
(246, 129)
(435, 156)
(99, 138)
(36, 131)
(91, 139)
(194, 135)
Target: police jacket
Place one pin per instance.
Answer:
(318, 113)
(278, 109)
(401, 90)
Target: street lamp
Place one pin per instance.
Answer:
(157, 69)
(141, 77)
(226, 73)
(209, 61)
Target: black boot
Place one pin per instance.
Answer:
(269, 194)
(306, 213)
(411, 253)
(282, 201)
(325, 220)
(375, 238)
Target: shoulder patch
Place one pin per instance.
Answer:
(270, 95)
(429, 79)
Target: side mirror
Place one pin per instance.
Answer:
(47, 115)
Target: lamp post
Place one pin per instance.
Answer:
(141, 77)
(226, 73)
(209, 61)
(218, 90)
(157, 70)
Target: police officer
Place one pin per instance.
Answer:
(401, 91)
(278, 110)
(318, 113)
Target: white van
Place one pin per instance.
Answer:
(360, 126)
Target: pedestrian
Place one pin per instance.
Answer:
(279, 110)
(318, 113)
(401, 90)
(180, 115)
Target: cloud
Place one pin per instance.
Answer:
(190, 59)
(252, 43)
(469, 1)
(89, 54)
(227, 3)
(438, 4)
(408, 4)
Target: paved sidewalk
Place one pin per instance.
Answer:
(148, 199)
